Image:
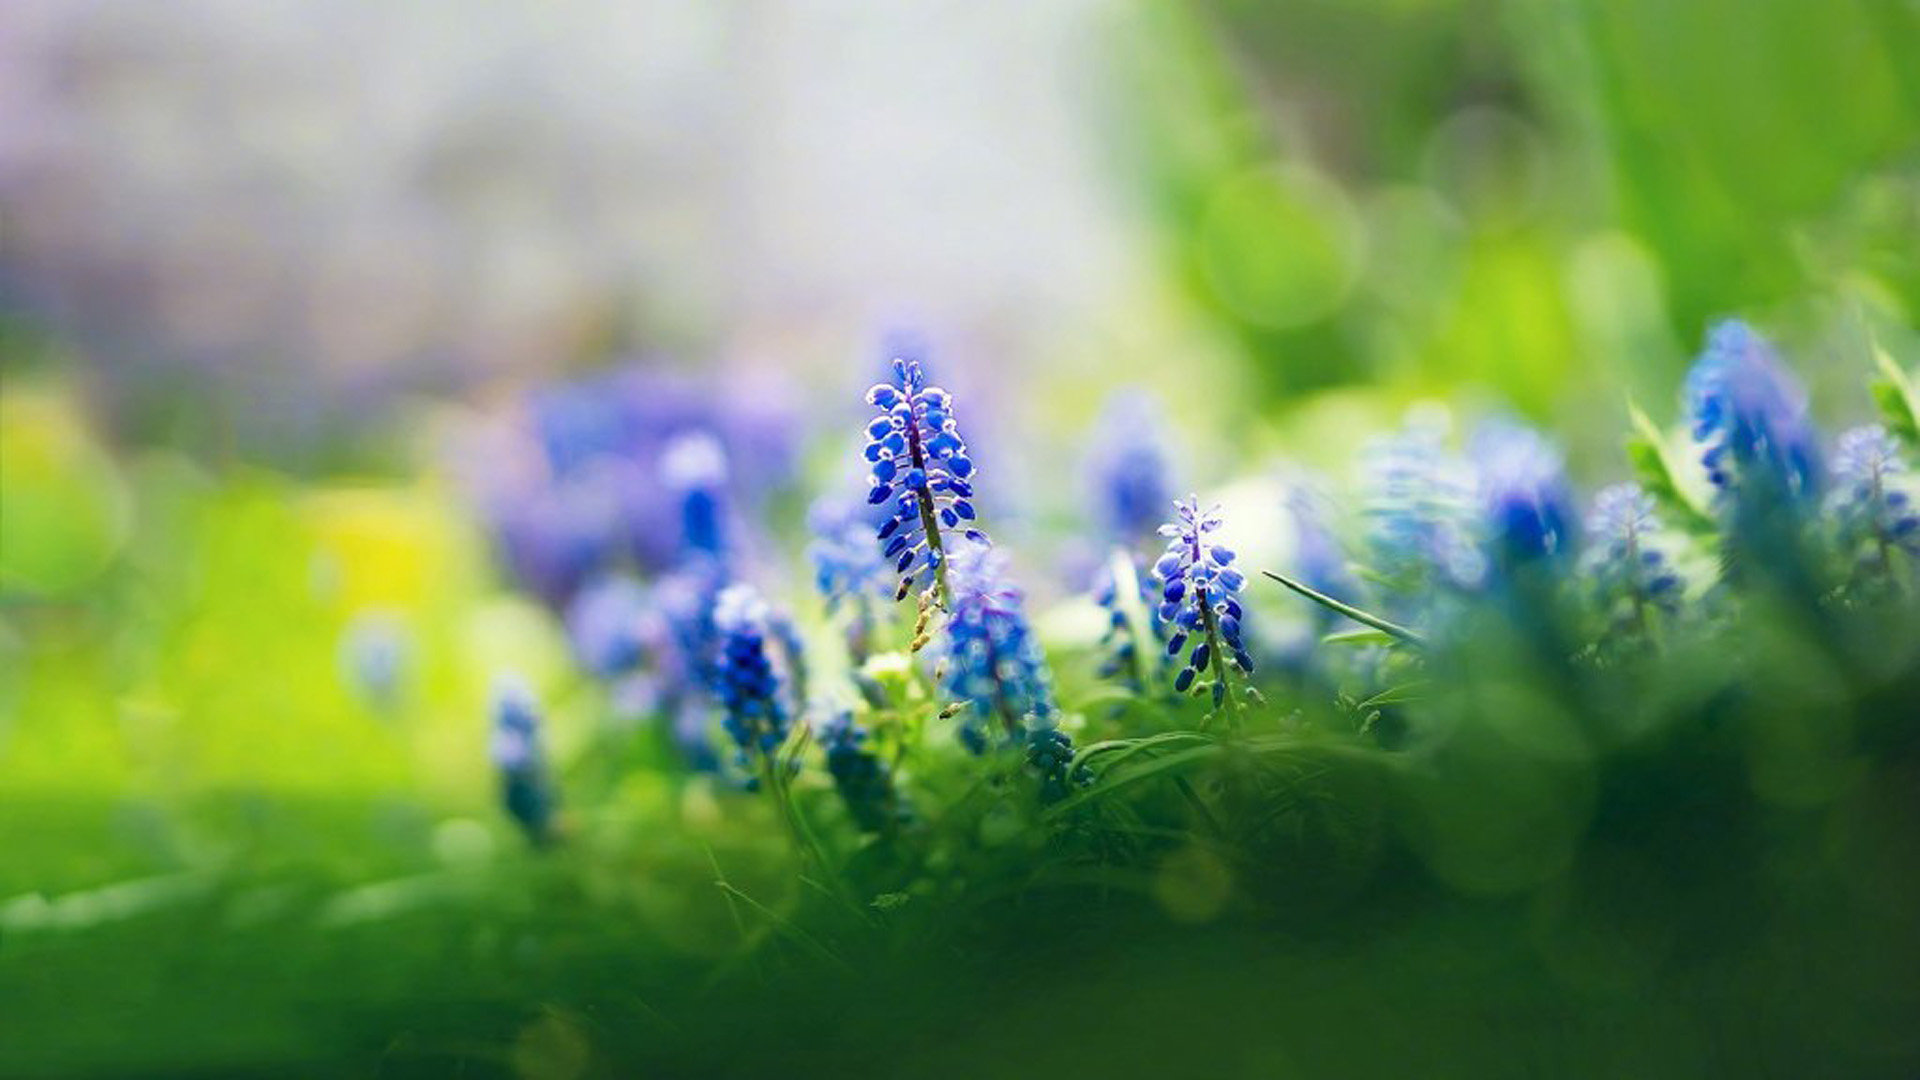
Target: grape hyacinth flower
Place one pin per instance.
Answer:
(684, 602)
(1527, 503)
(1749, 416)
(375, 652)
(745, 680)
(694, 468)
(848, 570)
(1632, 576)
(1419, 511)
(1318, 559)
(920, 463)
(864, 781)
(1199, 588)
(607, 624)
(1050, 756)
(1129, 471)
(525, 787)
(994, 669)
(1134, 642)
(1873, 515)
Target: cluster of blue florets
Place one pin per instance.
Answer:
(1439, 529)
(745, 680)
(864, 781)
(993, 663)
(919, 463)
(526, 789)
(1199, 598)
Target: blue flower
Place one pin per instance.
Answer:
(1631, 575)
(1134, 643)
(684, 602)
(921, 468)
(374, 655)
(1749, 417)
(1318, 558)
(607, 625)
(864, 782)
(993, 667)
(525, 788)
(1527, 503)
(1199, 598)
(1050, 756)
(1129, 470)
(848, 569)
(745, 680)
(694, 468)
(1873, 514)
(1420, 518)
(576, 481)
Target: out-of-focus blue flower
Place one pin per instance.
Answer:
(864, 782)
(848, 569)
(1527, 502)
(375, 652)
(1050, 756)
(1129, 469)
(993, 663)
(1632, 576)
(525, 787)
(1199, 597)
(694, 468)
(1874, 515)
(1749, 417)
(1420, 515)
(1318, 558)
(684, 601)
(921, 465)
(607, 624)
(1134, 643)
(745, 680)
(611, 470)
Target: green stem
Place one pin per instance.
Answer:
(1216, 654)
(931, 526)
(803, 838)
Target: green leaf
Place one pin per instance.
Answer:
(1365, 618)
(1646, 450)
(1359, 637)
(1894, 394)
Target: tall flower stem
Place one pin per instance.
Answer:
(1217, 655)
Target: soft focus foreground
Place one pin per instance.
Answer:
(1334, 539)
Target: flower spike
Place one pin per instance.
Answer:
(526, 788)
(919, 463)
(745, 680)
(1873, 515)
(1200, 598)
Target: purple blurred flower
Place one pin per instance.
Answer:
(1631, 575)
(607, 625)
(1873, 514)
(1129, 469)
(1525, 499)
(1749, 417)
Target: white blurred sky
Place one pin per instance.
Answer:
(344, 186)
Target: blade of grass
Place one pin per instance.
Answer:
(1391, 629)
